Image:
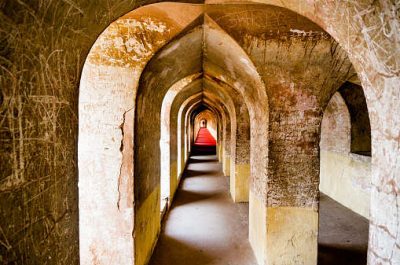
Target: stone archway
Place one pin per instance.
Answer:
(367, 31)
(267, 194)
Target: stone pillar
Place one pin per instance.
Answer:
(299, 84)
(226, 148)
(258, 185)
(220, 142)
(240, 162)
(293, 176)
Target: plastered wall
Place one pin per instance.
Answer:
(344, 176)
(43, 50)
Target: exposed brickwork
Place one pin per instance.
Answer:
(43, 49)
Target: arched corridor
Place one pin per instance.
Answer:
(199, 133)
(204, 226)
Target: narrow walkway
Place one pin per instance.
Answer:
(204, 226)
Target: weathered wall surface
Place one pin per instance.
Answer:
(108, 84)
(108, 88)
(301, 67)
(101, 206)
(43, 48)
(44, 44)
(336, 126)
(58, 44)
(369, 32)
(226, 144)
(344, 176)
(237, 70)
(240, 167)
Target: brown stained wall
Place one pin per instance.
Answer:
(242, 156)
(369, 32)
(301, 70)
(227, 135)
(109, 206)
(43, 49)
(294, 164)
(295, 107)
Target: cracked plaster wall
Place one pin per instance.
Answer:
(41, 186)
(369, 32)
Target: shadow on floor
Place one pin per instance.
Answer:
(343, 235)
(207, 228)
(187, 197)
(189, 173)
(332, 255)
(203, 150)
(193, 160)
(171, 251)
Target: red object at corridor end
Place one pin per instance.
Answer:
(204, 137)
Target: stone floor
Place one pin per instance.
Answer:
(343, 235)
(205, 227)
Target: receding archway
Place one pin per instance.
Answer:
(168, 175)
(41, 69)
(108, 88)
(258, 112)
